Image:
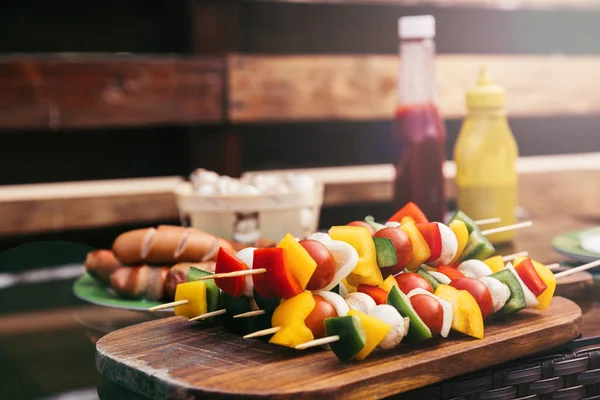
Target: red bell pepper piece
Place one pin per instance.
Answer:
(410, 209)
(229, 262)
(378, 294)
(530, 277)
(450, 272)
(433, 237)
(278, 281)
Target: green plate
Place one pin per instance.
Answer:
(88, 289)
(569, 245)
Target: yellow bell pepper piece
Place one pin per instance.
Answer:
(388, 283)
(351, 289)
(495, 263)
(290, 316)
(375, 329)
(466, 314)
(549, 279)
(195, 294)
(421, 250)
(462, 236)
(298, 260)
(366, 271)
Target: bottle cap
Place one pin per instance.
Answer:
(416, 27)
(486, 94)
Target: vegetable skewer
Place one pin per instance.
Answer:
(291, 267)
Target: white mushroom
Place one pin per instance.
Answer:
(392, 317)
(360, 302)
(499, 291)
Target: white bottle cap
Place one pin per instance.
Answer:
(416, 27)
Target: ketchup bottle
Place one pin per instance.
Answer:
(419, 134)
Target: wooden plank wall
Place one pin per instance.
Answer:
(309, 90)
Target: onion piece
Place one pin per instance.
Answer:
(320, 237)
(247, 256)
(393, 224)
(530, 298)
(446, 306)
(346, 258)
(440, 277)
(474, 269)
(341, 307)
(449, 245)
(343, 290)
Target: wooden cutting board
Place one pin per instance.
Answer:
(172, 358)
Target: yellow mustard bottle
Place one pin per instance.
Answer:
(485, 154)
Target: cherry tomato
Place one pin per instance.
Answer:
(402, 244)
(315, 319)
(430, 310)
(363, 223)
(478, 290)
(325, 264)
(407, 281)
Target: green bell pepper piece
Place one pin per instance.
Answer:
(212, 291)
(386, 252)
(428, 277)
(516, 302)
(461, 216)
(241, 326)
(478, 247)
(352, 336)
(417, 330)
(269, 305)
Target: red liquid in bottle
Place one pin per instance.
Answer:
(420, 139)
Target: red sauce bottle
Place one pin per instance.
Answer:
(419, 134)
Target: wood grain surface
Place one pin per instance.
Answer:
(63, 206)
(75, 91)
(363, 87)
(171, 358)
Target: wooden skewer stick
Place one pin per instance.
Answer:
(245, 272)
(208, 315)
(506, 228)
(318, 342)
(487, 221)
(249, 314)
(553, 267)
(263, 332)
(578, 269)
(168, 305)
(511, 257)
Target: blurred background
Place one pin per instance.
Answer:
(151, 89)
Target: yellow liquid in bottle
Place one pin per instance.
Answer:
(486, 175)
